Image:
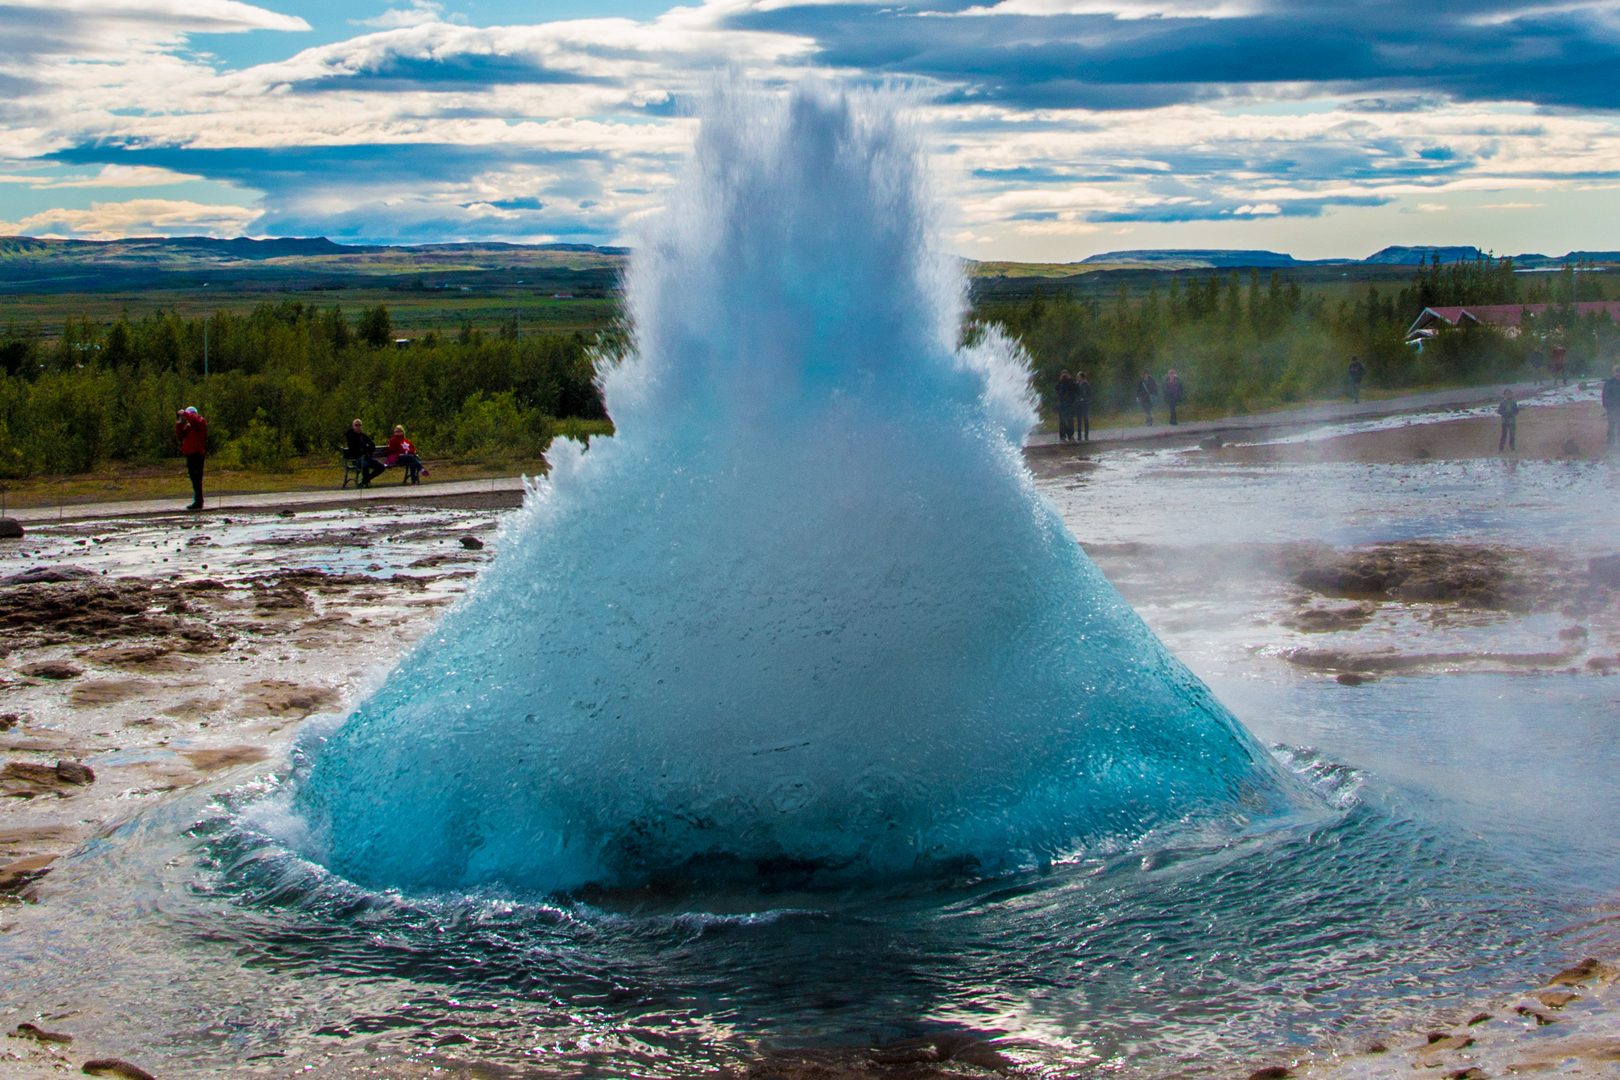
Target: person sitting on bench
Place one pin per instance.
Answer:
(362, 449)
(401, 452)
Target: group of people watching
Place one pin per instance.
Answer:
(1147, 392)
(191, 430)
(363, 450)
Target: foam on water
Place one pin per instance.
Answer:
(805, 617)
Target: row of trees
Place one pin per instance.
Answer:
(1244, 345)
(282, 381)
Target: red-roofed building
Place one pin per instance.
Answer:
(1504, 317)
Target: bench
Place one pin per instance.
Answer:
(353, 469)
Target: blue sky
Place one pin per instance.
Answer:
(1061, 128)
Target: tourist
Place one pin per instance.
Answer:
(192, 431)
(1356, 373)
(1172, 393)
(1508, 410)
(1065, 407)
(1555, 365)
(1146, 391)
(362, 449)
(401, 452)
(1082, 408)
(1536, 361)
(1611, 405)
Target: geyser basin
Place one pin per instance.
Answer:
(805, 618)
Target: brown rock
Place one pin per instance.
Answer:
(1572, 633)
(9, 720)
(224, 757)
(51, 669)
(1556, 999)
(75, 772)
(1587, 969)
(10, 529)
(1439, 1040)
(15, 875)
(1350, 678)
(1377, 1048)
(117, 1067)
(1271, 1072)
(1542, 1019)
(275, 697)
(30, 772)
(1478, 1018)
(472, 543)
(1466, 1074)
(31, 1031)
(98, 692)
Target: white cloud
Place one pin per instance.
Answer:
(1056, 228)
(136, 217)
(1511, 205)
(109, 176)
(419, 13)
(1258, 209)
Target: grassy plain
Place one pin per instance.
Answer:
(413, 311)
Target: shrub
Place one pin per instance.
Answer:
(261, 447)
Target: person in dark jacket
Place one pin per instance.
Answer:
(1356, 372)
(1146, 391)
(1508, 410)
(1082, 408)
(192, 431)
(1065, 407)
(361, 447)
(1611, 405)
(1172, 392)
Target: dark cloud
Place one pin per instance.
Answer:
(1449, 49)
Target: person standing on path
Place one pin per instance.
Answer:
(1082, 408)
(192, 431)
(1356, 373)
(1611, 405)
(1146, 391)
(1065, 407)
(1508, 410)
(1172, 393)
(1555, 364)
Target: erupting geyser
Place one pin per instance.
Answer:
(806, 613)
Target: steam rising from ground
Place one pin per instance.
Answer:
(805, 619)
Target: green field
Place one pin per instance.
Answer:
(414, 312)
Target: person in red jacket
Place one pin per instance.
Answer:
(192, 431)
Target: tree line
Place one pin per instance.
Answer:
(1243, 344)
(282, 381)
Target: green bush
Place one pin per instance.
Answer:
(261, 447)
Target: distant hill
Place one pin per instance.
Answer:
(32, 265)
(1412, 256)
(1198, 258)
